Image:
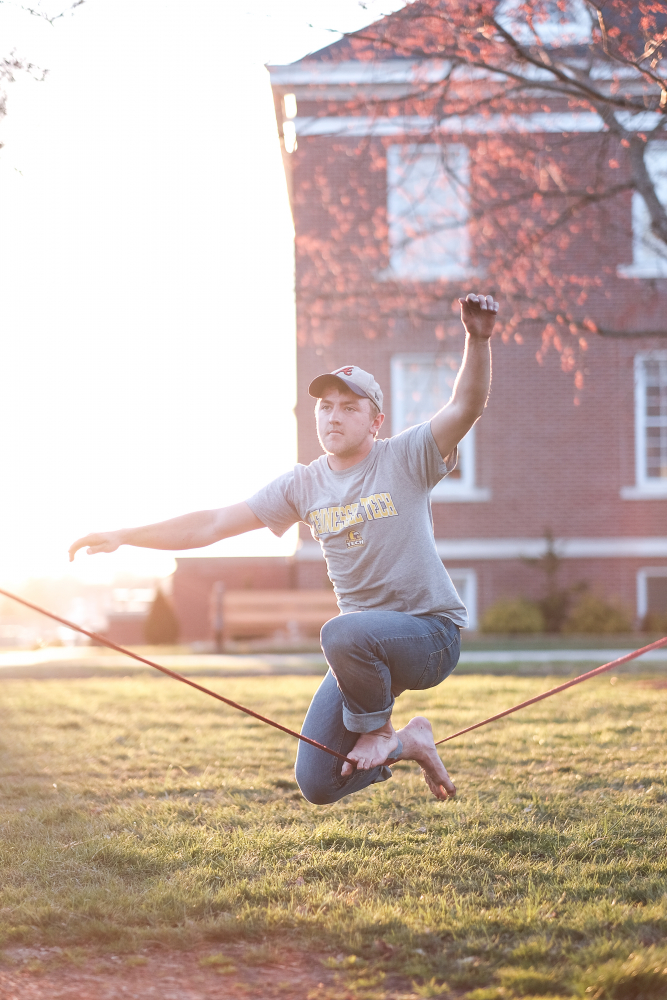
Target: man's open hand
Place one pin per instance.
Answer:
(103, 541)
(478, 314)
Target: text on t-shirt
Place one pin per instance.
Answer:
(329, 519)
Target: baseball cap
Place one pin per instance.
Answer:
(360, 382)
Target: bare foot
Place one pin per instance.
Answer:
(372, 749)
(418, 745)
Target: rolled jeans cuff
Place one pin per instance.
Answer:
(366, 722)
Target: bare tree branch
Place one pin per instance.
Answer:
(36, 12)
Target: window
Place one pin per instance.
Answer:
(649, 254)
(427, 210)
(650, 427)
(652, 592)
(557, 22)
(465, 581)
(420, 385)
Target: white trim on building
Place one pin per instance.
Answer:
(367, 73)
(568, 548)
(361, 125)
(356, 71)
(653, 547)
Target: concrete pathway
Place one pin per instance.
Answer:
(86, 661)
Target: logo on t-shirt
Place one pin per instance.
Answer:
(353, 538)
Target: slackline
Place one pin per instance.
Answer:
(305, 739)
(177, 677)
(561, 687)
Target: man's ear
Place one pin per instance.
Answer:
(377, 424)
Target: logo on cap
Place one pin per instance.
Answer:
(344, 371)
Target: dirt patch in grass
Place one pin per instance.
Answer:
(201, 974)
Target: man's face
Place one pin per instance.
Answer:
(345, 422)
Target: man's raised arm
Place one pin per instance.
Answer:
(191, 531)
(471, 389)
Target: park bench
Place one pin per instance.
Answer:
(249, 614)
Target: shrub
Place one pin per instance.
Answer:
(161, 628)
(515, 616)
(593, 614)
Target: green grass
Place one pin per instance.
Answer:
(135, 811)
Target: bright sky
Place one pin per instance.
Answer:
(147, 348)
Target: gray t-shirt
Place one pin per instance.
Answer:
(374, 524)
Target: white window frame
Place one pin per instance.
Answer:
(643, 576)
(448, 490)
(645, 487)
(649, 255)
(469, 597)
(424, 257)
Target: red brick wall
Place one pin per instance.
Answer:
(194, 579)
(548, 462)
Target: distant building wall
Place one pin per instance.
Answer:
(195, 577)
(126, 629)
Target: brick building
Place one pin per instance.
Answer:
(594, 474)
(197, 583)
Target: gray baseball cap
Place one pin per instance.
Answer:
(360, 382)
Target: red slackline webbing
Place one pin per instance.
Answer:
(177, 677)
(561, 687)
(305, 739)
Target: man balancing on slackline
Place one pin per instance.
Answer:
(367, 502)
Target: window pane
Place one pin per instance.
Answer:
(421, 385)
(656, 587)
(654, 372)
(427, 208)
(426, 387)
(649, 253)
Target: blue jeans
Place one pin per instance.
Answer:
(372, 657)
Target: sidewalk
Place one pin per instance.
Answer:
(84, 661)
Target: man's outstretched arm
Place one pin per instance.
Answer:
(471, 389)
(191, 531)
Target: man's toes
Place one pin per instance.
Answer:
(434, 787)
(448, 785)
(441, 786)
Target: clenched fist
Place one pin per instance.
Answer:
(478, 315)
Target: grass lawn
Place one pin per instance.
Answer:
(136, 813)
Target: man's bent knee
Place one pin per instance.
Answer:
(334, 636)
(346, 633)
(316, 788)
